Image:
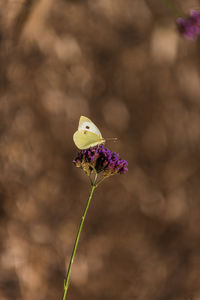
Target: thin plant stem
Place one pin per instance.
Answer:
(90, 180)
(100, 181)
(66, 282)
(173, 8)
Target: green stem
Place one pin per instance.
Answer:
(173, 8)
(90, 180)
(100, 181)
(66, 283)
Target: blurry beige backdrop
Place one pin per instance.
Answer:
(122, 64)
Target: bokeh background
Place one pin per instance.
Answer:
(122, 64)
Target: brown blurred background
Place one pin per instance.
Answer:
(122, 64)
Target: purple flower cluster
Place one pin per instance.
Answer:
(190, 26)
(102, 160)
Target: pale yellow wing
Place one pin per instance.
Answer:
(84, 139)
(83, 119)
(87, 124)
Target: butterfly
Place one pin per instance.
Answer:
(87, 135)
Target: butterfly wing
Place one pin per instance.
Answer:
(85, 139)
(88, 125)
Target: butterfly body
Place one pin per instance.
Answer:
(87, 135)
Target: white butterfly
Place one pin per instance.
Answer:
(87, 135)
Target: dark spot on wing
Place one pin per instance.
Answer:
(85, 132)
(87, 127)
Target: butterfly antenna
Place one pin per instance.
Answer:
(111, 139)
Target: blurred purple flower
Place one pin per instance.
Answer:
(102, 160)
(190, 26)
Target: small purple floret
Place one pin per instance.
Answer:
(102, 160)
(190, 26)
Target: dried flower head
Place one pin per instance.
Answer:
(100, 160)
(190, 26)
